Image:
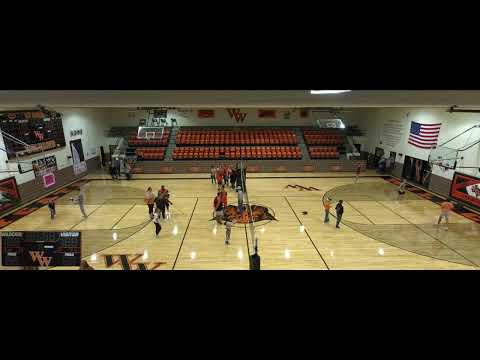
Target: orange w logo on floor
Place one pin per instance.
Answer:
(128, 262)
(38, 256)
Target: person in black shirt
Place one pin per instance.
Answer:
(51, 207)
(161, 204)
(339, 210)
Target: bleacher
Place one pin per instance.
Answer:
(160, 139)
(324, 152)
(323, 143)
(234, 144)
(237, 152)
(150, 153)
(236, 137)
(151, 149)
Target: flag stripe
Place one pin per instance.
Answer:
(429, 132)
(423, 143)
(422, 139)
(423, 147)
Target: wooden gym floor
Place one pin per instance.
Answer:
(378, 231)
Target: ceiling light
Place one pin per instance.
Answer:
(323, 92)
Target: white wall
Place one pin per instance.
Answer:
(90, 121)
(452, 125)
(189, 117)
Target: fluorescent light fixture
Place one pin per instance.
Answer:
(323, 92)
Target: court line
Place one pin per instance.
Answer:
(306, 232)
(47, 194)
(365, 216)
(99, 206)
(185, 234)
(123, 216)
(246, 238)
(435, 194)
(352, 227)
(115, 243)
(441, 242)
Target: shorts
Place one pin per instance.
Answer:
(444, 215)
(401, 192)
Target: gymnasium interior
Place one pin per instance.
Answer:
(294, 151)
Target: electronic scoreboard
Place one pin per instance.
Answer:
(33, 248)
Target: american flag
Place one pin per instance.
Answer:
(424, 136)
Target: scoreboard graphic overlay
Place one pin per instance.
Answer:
(41, 131)
(466, 188)
(33, 248)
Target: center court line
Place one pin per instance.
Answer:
(365, 216)
(441, 242)
(185, 234)
(123, 216)
(306, 232)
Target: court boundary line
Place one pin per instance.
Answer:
(98, 207)
(365, 216)
(123, 216)
(185, 234)
(40, 206)
(474, 211)
(395, 246)
(306, 232)
(441, 242)
(142, 226)
(248, 246)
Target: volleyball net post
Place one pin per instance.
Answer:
(254, 257)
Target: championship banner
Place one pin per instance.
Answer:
(466, 188)
(267, 114)
(44, 166)
(9, 195)
(206, 114)
(79, 163)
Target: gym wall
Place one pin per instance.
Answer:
(189, 117)
(93, 126)
(452, 125)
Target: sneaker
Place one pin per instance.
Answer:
(338, 227)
